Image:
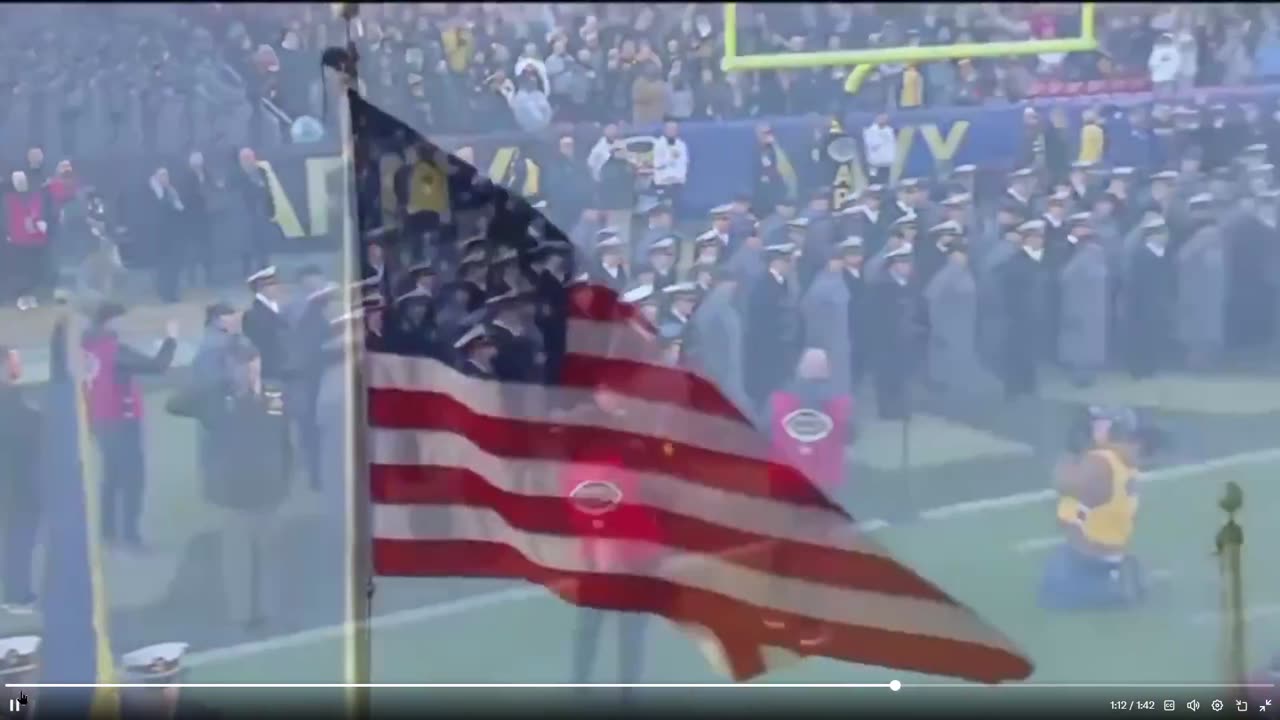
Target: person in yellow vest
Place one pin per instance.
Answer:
(912, 95)
(1093, 138)
(1094, 567)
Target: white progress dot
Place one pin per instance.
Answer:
(895, 685)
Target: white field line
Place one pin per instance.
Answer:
(484, 600)
(1034, 545)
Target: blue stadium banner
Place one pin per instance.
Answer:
(306, 179)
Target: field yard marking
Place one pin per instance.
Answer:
(1031, 545)
(483, 600)
(1038, 496)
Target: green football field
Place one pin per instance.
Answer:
(990, 558)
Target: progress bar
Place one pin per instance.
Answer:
(893, 685)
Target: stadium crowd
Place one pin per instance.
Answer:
(101, 79)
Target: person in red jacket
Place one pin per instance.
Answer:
(26, 227)
(114, 402)
(618, 534)
(810, 422)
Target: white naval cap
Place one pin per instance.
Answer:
(798, 223)
(609, 242)
(781, 249)
(902, 252)
(956, 200)
(950, 227)
(1165, 175)
(1256, 149)
(851, 243)
(1021, 173)
(964, 169)
(156, 662)
(908, 219)
(476, 332)
(266, 274)
(708, 238)
(1200, 199)
(683, 288)
(663, 244)
(18, 654)
(1031, 226)
(1122, 171)
(1079, 218)
(721, 210)
(638, 294)
(1153, 223)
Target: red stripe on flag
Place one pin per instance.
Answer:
(423, 485)
(726, 617)
(509, 437)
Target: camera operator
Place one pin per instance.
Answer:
(1097, 508)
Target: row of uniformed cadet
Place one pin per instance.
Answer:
(152, 672)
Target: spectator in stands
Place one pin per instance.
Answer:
(648, 95)
(670, 164)
(880, 146)
(529, 102)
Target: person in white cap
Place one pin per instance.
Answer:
(896, 334)
(1252, 299)
(1202, 285)
(160, 666)
(951, 300)
(1150, 297)
(609, 268)
(825, 310)
(263, 324)
(475, 351)
(772, 325)
(1084, 303)
(1026, 284)
(718, 327)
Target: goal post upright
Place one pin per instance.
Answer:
(733, 62)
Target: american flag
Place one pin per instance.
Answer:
(467, 472)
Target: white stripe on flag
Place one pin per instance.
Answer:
(522, 402)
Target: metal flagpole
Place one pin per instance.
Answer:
(1230, 542)
(357, 641)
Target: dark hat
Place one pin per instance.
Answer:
(108, 311)
(217, 310)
